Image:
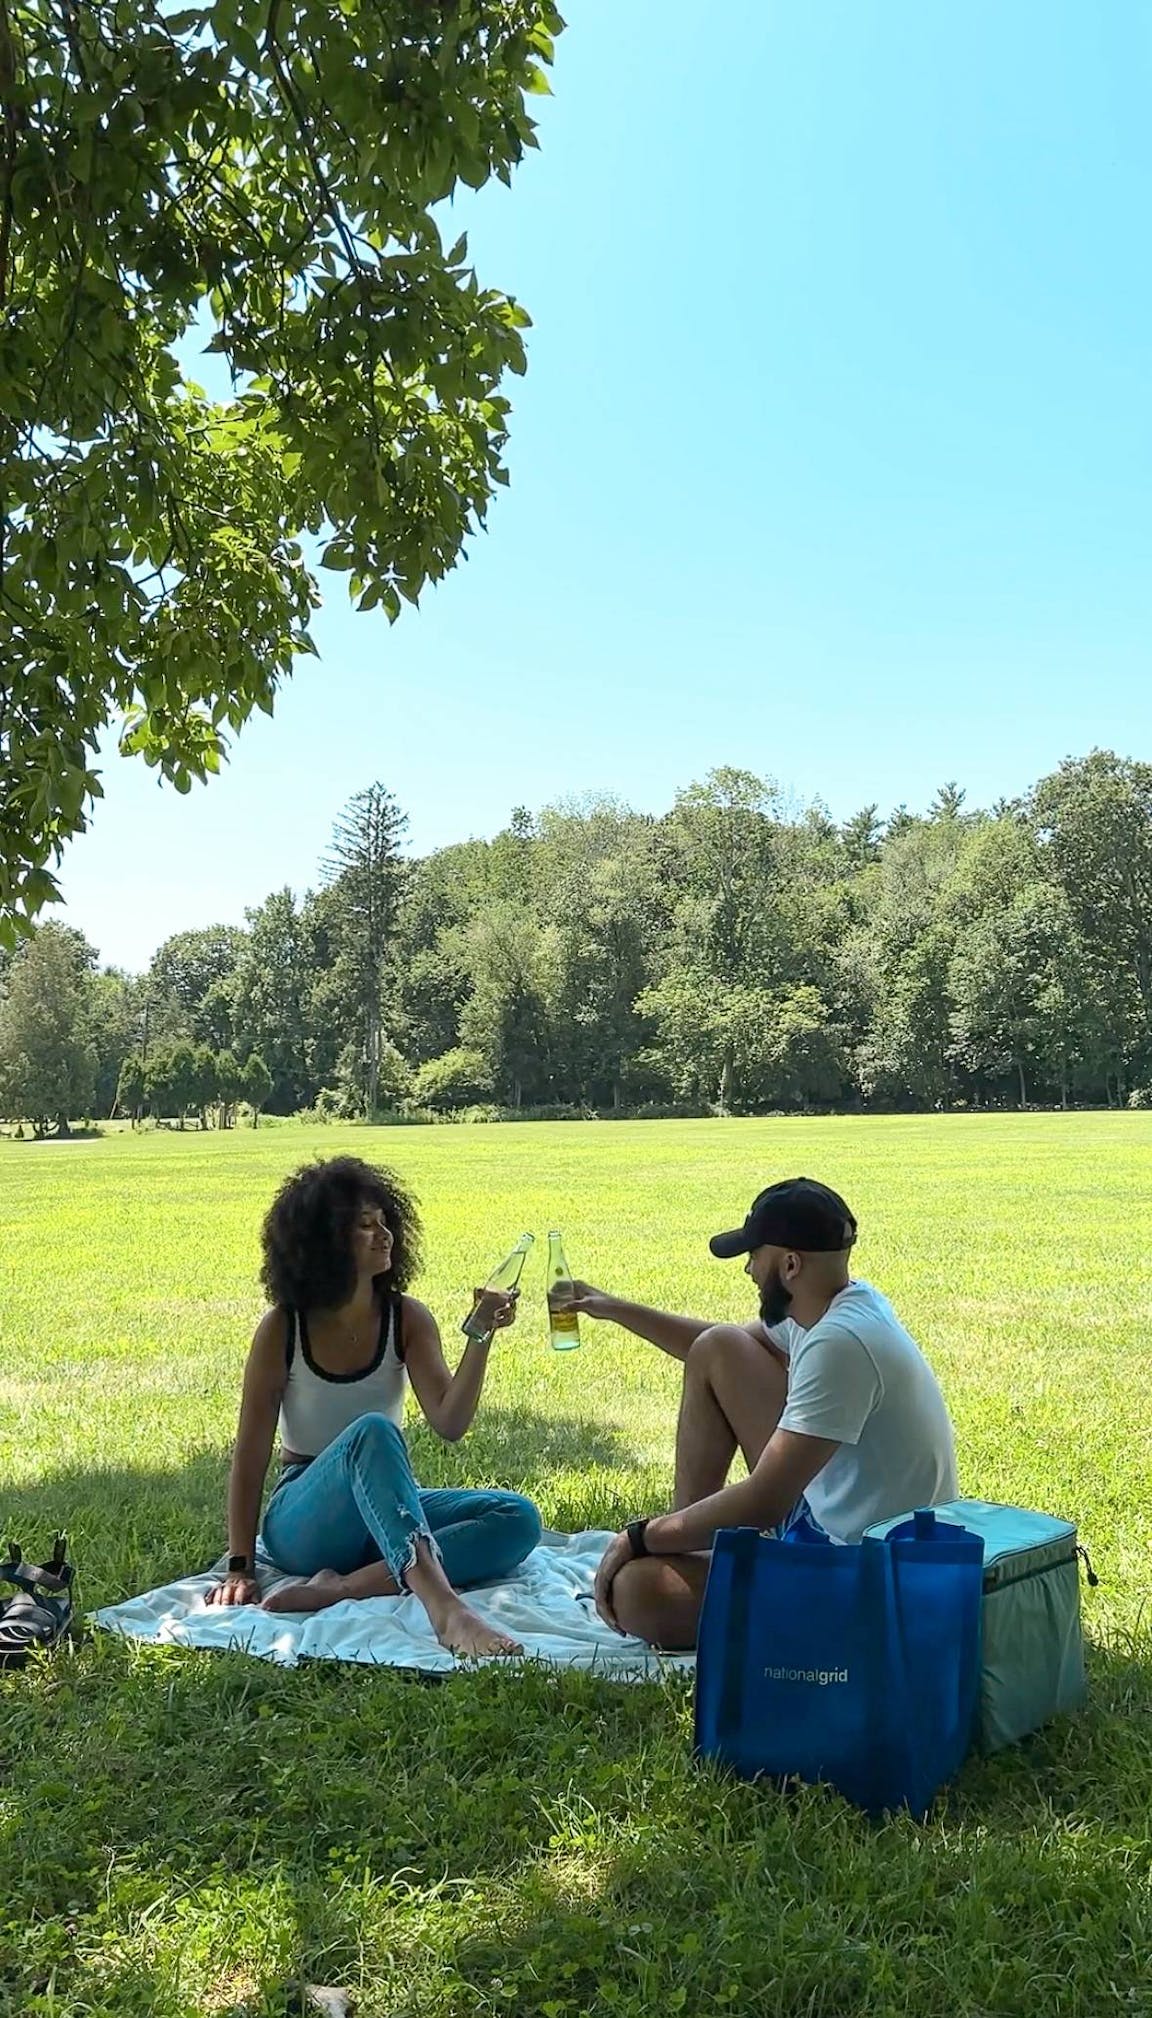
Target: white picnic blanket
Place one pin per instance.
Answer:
(547, 1605)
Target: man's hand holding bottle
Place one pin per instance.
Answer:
(582, 1298)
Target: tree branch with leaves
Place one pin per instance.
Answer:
(271, 175)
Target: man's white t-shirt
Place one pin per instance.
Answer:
(860, 1380)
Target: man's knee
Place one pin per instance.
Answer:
(656, 1601)
(724, 1345)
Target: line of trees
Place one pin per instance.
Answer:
(68, 1049)
(737, 953)
(183, 1079)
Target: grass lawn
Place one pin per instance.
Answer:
(184, 1833)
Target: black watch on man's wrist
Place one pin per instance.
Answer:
(635, 1532)
(238, 1565)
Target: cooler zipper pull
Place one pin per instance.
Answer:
(1093, 1579)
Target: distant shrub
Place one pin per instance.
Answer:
(457, 1080)
(489, 1112)
(659, 1110)
(327, 1106)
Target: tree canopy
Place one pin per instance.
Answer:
(268, 181)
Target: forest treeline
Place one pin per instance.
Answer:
(735, 953)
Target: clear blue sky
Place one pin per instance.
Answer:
(832, 460)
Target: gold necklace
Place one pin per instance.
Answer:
(351, 1332)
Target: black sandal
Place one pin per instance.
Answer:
(41, 1613)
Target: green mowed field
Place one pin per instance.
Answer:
(185, 1833)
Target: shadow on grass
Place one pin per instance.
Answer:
(190, 1832)
(132, 1527)
(187, 1832)
(581, 1474)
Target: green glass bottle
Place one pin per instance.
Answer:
(563, 1327)
(481, 1320)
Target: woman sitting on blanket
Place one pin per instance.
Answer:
(332, 1360)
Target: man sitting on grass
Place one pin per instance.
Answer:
(837, 1413)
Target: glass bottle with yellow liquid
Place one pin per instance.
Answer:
(480, 1322)
(562, 1324)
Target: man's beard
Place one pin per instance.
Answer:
(775, 1298)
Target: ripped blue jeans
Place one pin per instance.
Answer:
(358, 1503)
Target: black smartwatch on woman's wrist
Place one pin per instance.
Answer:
(238, 1565)
(635, 1532)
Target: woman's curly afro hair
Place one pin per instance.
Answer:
(307, 1234)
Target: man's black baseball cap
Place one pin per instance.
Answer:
(799, 1213)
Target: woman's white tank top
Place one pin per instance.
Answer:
(316, 1406)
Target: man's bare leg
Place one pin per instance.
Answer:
(734, 1391)
(658, 1599)
(733, 1395)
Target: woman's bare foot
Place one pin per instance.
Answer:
(467, 1636)
(313, 1594)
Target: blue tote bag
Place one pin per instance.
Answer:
(855, 1665)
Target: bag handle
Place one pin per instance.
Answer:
(733, 1681)
(951, 1544)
